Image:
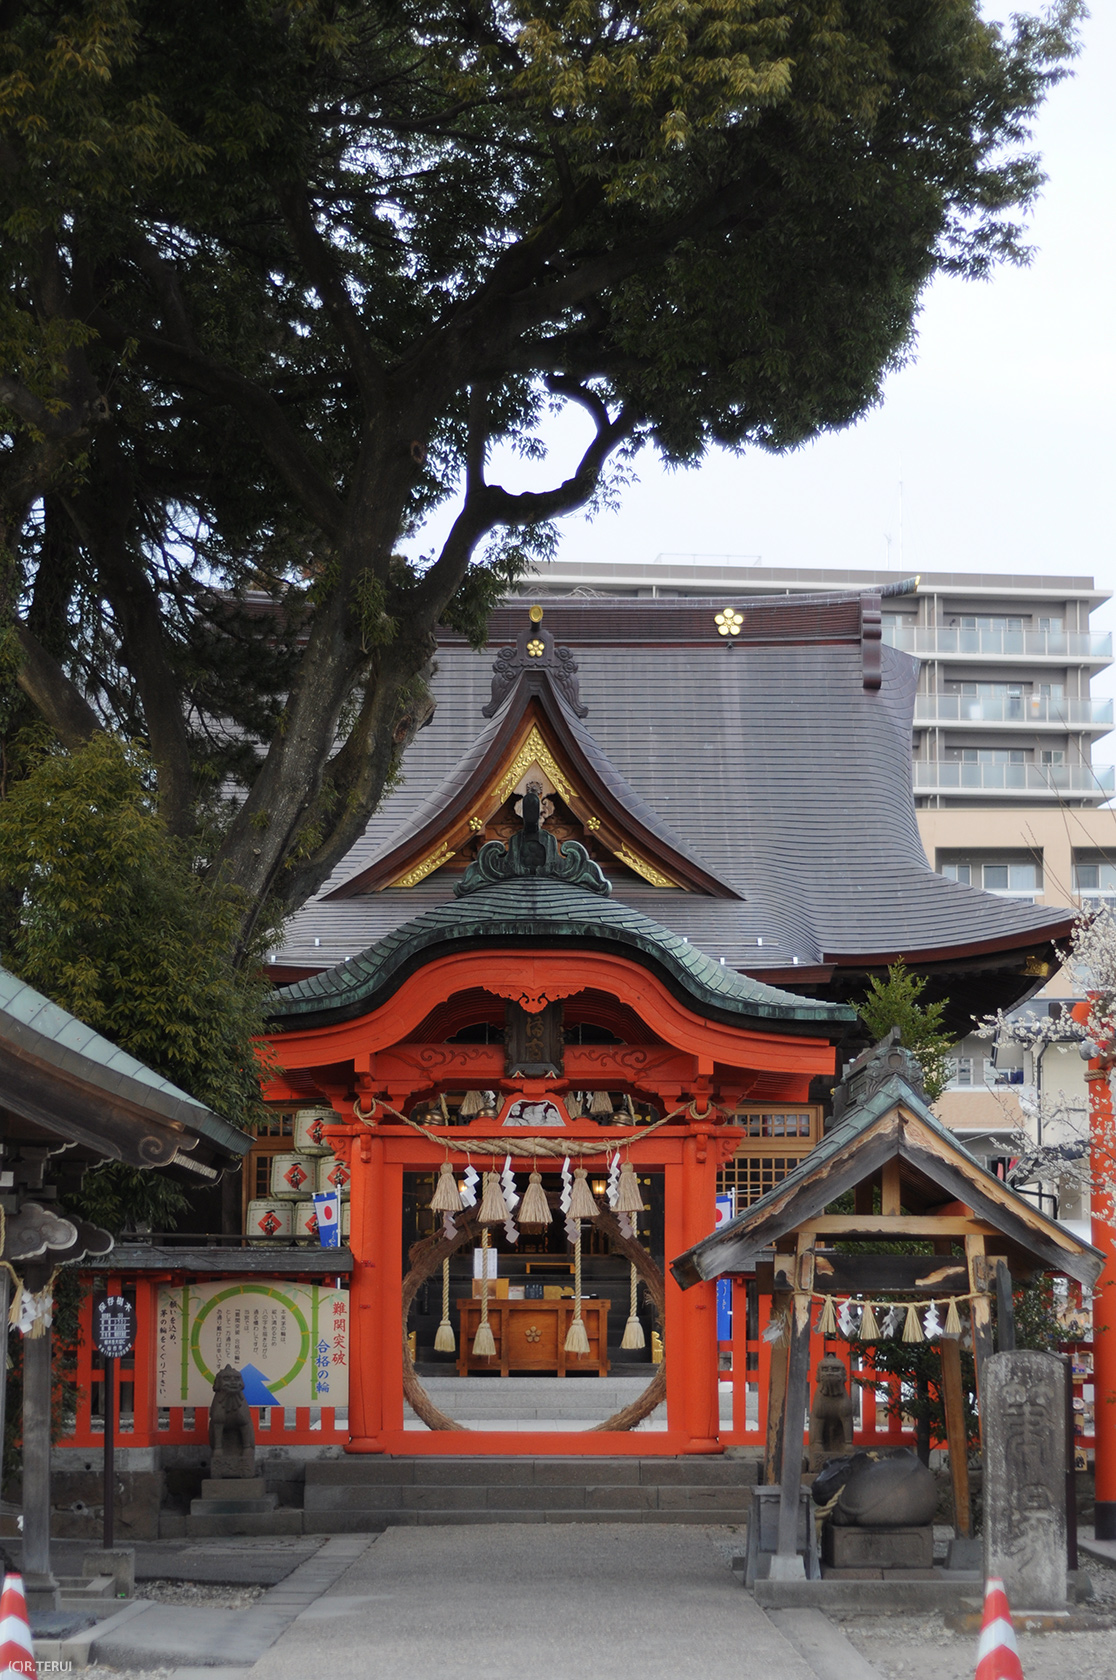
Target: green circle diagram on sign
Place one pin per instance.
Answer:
(240, 1290)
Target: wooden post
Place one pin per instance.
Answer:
(782, 1305)
(890, 1198)
(366, 1418)
(38, 1580)
(786, 1565)
(1005, 1309)
(701, 1415)
(981, 1313)
(953, 1399)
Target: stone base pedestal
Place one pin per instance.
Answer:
(41, 1592)
(878, 1548)
(120, 1563)
(233, 1461)
(234, 1487)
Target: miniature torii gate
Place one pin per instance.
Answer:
(886, 1145)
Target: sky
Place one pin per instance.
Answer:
(993, 450)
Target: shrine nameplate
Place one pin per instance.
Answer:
(531, 1336)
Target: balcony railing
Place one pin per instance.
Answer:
(1049, 780)
(1058, 712)
(939, 641)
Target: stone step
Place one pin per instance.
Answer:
(359, 1493)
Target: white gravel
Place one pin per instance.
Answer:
(213, 1594)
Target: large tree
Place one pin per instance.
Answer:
(279, 274)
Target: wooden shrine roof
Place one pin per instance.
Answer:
(59, 1077)
(891, 1122)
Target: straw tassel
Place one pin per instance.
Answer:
(600, 1105)
(869, 1329)
(629, 1198)
(582, 1205)
(827, 1323)
(535, 1209)
(447, 1197)
(494, 1209)
(953, 1318)
(444, 1341)
(484, 1343)
(471, 1103)
(633, 1331)
(912, 1328)
(577, 1337)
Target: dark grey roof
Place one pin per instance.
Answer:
(57, 1070)
(539, 911)
(790, 1203)
(771, 762)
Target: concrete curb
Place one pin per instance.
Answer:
(822, 1645)
(75, 1651)
(894, 1597)
(189, 1636)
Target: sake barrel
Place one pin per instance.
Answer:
(305, 1222)
(292, 1175)
(334, 1175)
(269, 1220)
(309, 1130)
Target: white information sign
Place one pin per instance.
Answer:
(289, 1341)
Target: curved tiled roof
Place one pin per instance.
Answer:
(539, 911)
(771, 762)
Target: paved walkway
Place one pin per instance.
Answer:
(638, 1602)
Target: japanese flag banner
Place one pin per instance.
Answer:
(327, 1206)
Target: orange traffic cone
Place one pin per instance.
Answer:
(998, 1655)
(16, 1654)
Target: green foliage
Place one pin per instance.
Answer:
(894, 1002)
(278, 280)
(113, 925)
(919, 1368)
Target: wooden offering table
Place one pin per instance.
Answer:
(531, 1336)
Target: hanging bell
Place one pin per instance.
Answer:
(629, 1198)
(534, 1208)
(493, 1208)
(447, 1197)
(582, 1205)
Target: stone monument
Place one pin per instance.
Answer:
(234, 1500)
(1022, 1407)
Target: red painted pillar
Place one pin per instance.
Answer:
(691, 1345)
(1102, 1140)
(365, 1296)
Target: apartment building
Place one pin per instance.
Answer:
(1008, 796)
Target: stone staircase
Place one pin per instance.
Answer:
(354, 1495)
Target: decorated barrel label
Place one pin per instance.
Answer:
(309, 1130)
(269, 1220)
(292, 1175)
(333, 1175)
(305, 1222)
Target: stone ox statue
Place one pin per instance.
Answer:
(230, 1427)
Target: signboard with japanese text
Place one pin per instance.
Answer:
(289, 1341)
(114, 1323)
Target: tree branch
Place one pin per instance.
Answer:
(309, 483)
(52, 693)
(318, 260)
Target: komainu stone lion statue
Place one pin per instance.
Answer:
(230, 1427)
(831, 1415)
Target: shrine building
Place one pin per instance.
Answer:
(580, 992)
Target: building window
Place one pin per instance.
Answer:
(987, 755)
(1052, 755)
(961, 1070)
(1013, 875)
(1094, 880)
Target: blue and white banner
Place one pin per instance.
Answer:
(327, 1206)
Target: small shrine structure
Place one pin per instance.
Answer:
(911, 1181)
